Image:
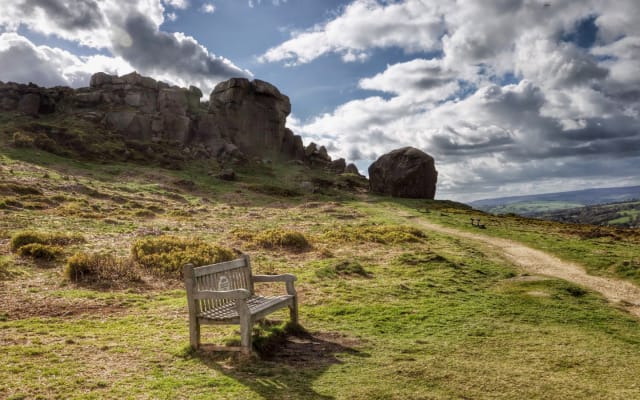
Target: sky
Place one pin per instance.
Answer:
(510, 97)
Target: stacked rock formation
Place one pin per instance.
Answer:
(406, 172)
(243, 119)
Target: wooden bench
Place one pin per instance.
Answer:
(223, 294)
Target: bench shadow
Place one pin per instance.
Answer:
(286, 368)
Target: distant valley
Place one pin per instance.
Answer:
(618, 206)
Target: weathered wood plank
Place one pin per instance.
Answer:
(222, 294)
(220, 267)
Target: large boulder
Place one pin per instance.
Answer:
(406, 172)
(253, 115)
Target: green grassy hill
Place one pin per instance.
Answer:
(605, 206)
(391, 311)
(623, 214)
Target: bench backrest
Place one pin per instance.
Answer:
(227, 275)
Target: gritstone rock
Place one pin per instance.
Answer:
(406, 172)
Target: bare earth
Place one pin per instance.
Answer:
(538, 262)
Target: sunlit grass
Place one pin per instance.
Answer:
(427, 317)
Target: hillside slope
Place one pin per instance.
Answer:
(581, 197)
(392, 308)
(607, 206)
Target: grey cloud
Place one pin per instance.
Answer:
(354, 153)
(430, 83)
(70, 15)
(377, 136)
(152, 49)
(598, 128)
(21, 63)
(447, 145)
(583, 71)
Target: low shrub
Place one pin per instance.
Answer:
(22, 140)
(10, 202)
(144, 214)
(576, 291)
(16, 188)
(23, 238)
(270, 336)
(343, 268)
(7, 269)
(84, 267)
(276, 238)
(273, 190)
(167, 255)
(384, 234)
(40, 251)
(425, 257)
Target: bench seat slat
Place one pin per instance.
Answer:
(257, 306)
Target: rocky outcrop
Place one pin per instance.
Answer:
(352, 169)
(31, 99)
(252, 114)
(243, 119)
(405, 172)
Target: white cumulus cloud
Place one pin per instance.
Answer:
(128, 31)
(365, 24)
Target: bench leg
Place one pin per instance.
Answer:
(245, 334)
(293, 311)
(194, 332)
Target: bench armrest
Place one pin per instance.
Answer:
(236, 294)
(274, 278)
(287, 278)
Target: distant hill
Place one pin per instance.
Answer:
(622, 214)
(602, 206)
(561, 200)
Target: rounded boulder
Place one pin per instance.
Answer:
(406, 172)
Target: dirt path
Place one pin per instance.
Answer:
(538, 262)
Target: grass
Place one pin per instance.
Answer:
(532, 207)
(385, 234)
(390, 312)
(602, 250)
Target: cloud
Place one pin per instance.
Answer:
(362, 25)
(129, 31)
(22, 61)
(557, 64)
(425, 81)
(177, 55)
(179, 4)
(70, 15)
(208, 8)
(94, 30)
(253, 3)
